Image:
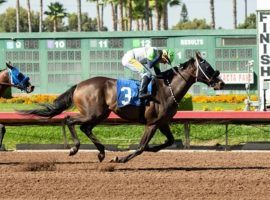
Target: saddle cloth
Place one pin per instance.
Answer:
(128, 92)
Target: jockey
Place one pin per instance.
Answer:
(142, 59)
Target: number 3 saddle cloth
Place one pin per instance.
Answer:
(128, 92)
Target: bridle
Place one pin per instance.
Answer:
(11, 85)
(178, 73)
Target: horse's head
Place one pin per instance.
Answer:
(19, 80)
(206, 74)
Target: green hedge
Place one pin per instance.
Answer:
(186, 103)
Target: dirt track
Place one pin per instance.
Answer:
(173, 175)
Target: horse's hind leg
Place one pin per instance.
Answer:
(70, 122)
(87, 129)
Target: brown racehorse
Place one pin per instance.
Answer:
(12, 77)
(95, 98)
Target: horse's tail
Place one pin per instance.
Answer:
(61, 103)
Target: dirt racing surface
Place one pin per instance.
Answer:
(163, 175)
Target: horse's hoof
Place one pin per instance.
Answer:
(115, 160)
(72, 152)
(101, 157)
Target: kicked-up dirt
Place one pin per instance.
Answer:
(162, 175)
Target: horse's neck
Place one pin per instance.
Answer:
(4, 78)
(181, 83)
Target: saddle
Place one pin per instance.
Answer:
(128, 92)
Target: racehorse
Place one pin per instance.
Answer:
(12, 77)
(96, 98)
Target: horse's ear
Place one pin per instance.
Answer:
(199, 55)
(9, 65)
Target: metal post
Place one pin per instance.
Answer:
(226, 137)
(187, 134)
(2, 134)
(64, 135)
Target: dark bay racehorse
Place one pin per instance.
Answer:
(95, 98)
(12, 77)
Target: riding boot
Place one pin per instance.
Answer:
(143, 88)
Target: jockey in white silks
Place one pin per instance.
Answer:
(142, 59)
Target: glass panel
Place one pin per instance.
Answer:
(35, 55)
(63, 55)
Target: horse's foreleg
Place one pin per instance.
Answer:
(165, 130)
(71, 126)
(87, 129)
(147, 136)
(2, 133)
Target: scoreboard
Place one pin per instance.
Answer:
(56, 61)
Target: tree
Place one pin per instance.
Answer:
(184, 13)
(212, 11)
(18, 16)
(40, 15)
(158, 8)
(250, 22)
(29, 16)
(88, 24)
(79, 15)
(167, 3)
(234, 14)
(98, 13)
(195, 24)
(9, 22)
(56, 12)
(114, 8)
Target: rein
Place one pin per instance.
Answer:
(199, 68)
(9, 84)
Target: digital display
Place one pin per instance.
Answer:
(31, 44)
(107, 43)
(116, 43)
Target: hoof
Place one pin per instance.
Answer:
(101, 156)
(73, 151)
(115, 160)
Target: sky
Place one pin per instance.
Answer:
(196, 9)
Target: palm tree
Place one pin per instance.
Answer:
(114, 7)
(121, 4)
(165, 10)
(79, 13)
(29, 16)
(98, 13)
(40, 15)
(212, 10)
(158, 8)
(147, 14)
(18, 16)
(234, 14)
(56, 11)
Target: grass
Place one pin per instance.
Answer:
(124, 135)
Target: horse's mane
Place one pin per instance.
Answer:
(169, 74)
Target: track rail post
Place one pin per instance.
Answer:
(226, 137)
(187, 135)
(64, 135)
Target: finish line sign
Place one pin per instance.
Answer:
(263, 18)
